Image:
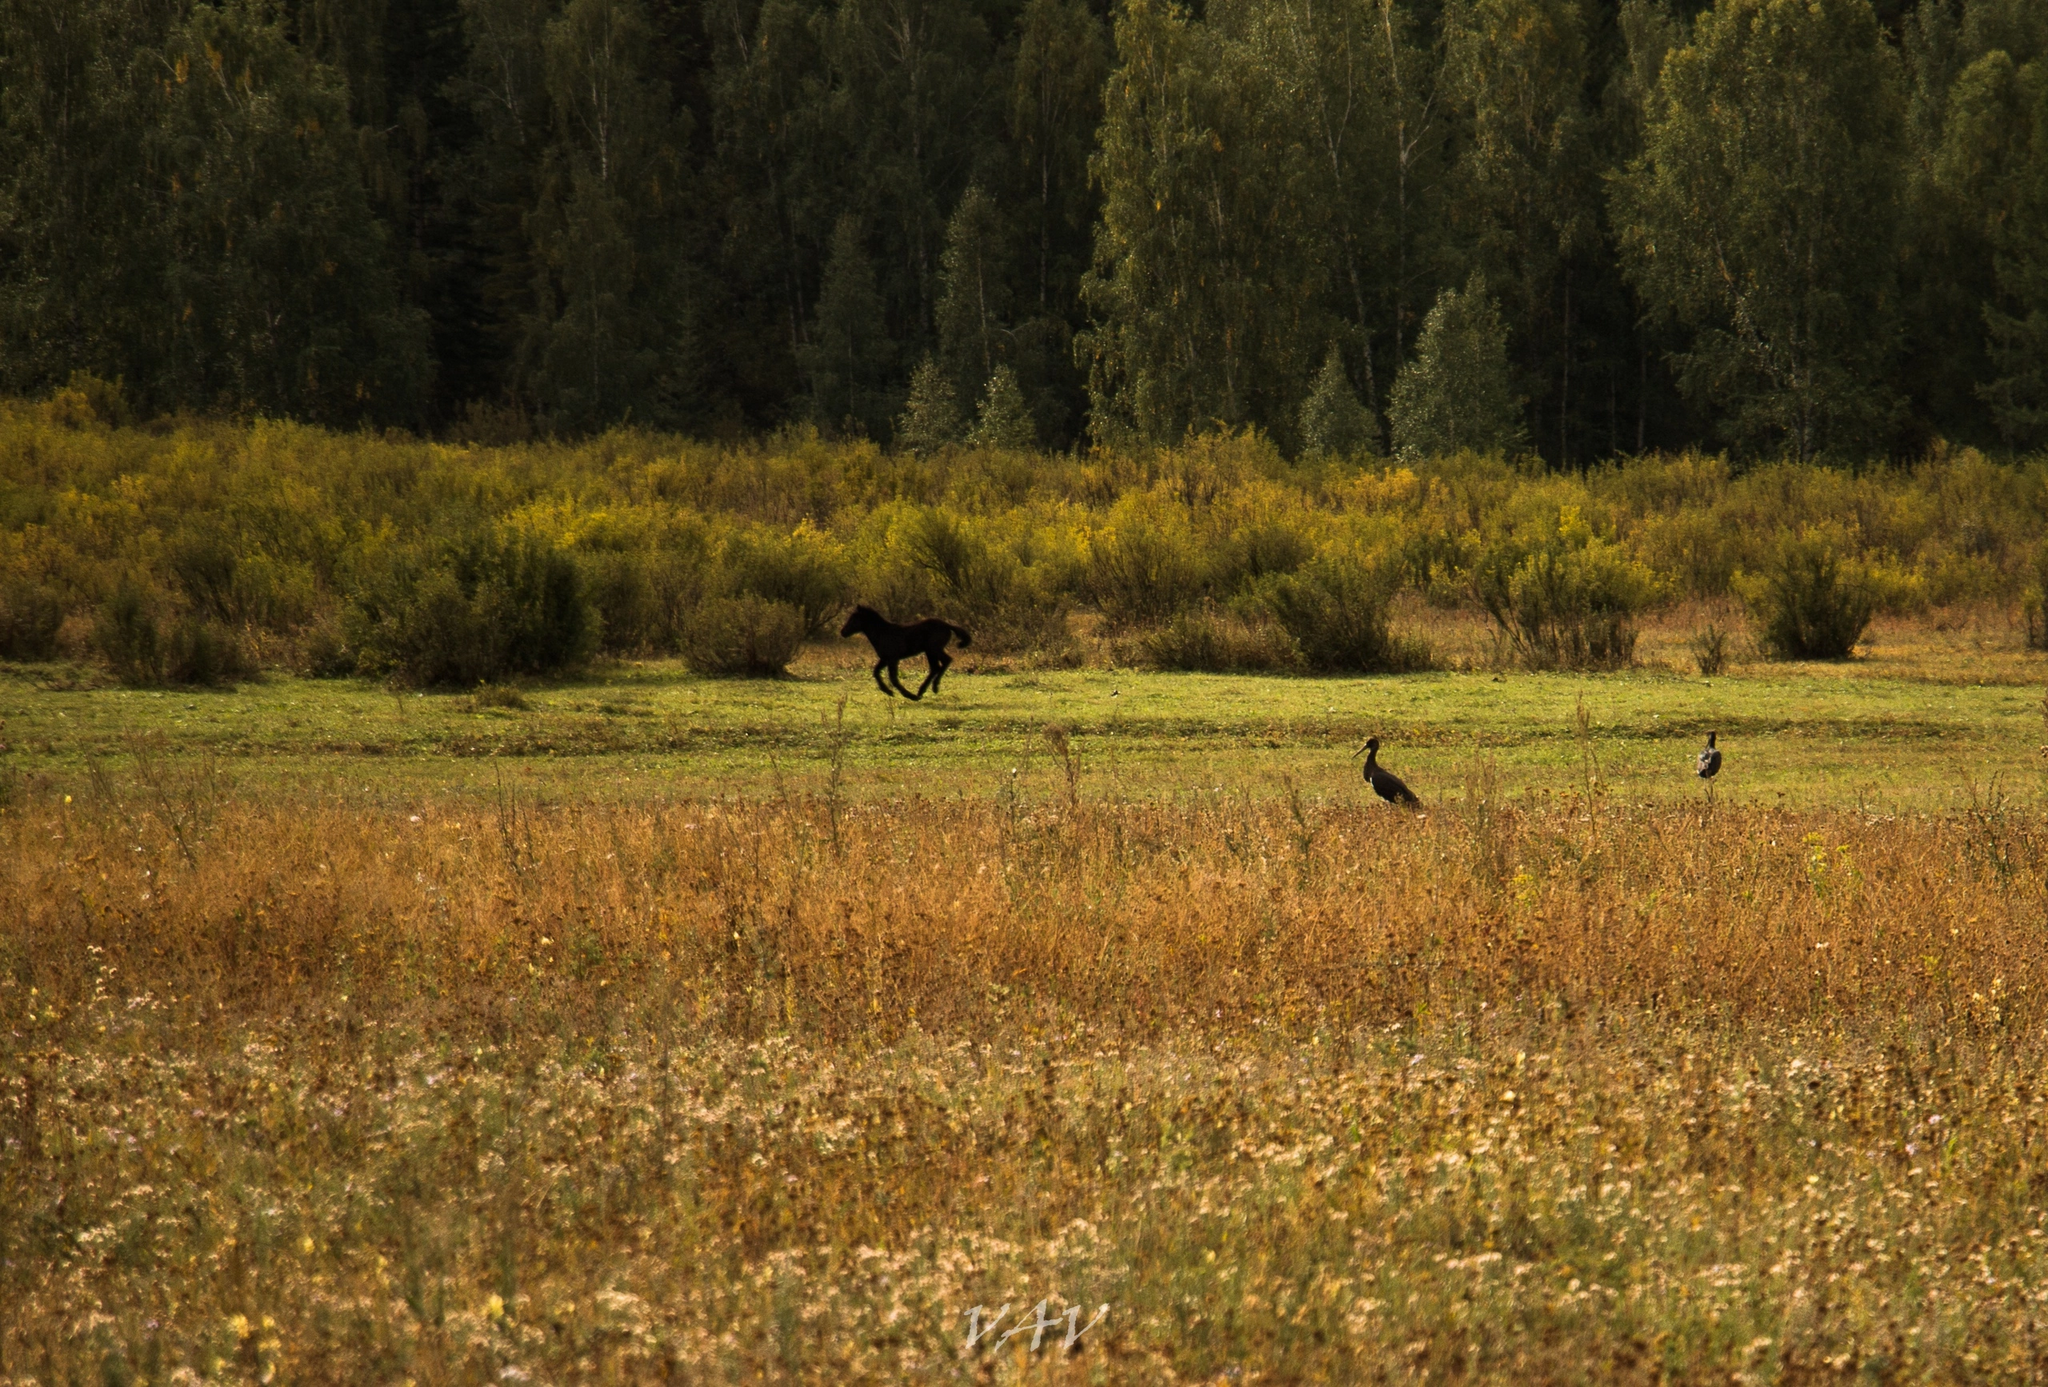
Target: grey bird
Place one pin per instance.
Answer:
(1384, 782)
(1709, 764)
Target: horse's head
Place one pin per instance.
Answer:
(861, 620)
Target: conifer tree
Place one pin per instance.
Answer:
(81, 250)
(608, 335)
(280, 296)
(1457, 394)
(931, 418)
(1056, 82)
(974, 305)
(1003, 420)
(848, 356)
(1333, 422)
(1525, 184)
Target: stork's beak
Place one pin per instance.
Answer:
(1354, 755)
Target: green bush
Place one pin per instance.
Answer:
(1807, 603)
(1216, 643)
(643, 596)
(1564, 599)
(987, 588)
(128, 638)
(2035, 603)
(1142, 571)
(476, 607)
(30, 615)
(744, 635)
(803, 568)
(1335, 609)
(143, 650)
(199, 650)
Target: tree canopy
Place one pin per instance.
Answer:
(1811, 228)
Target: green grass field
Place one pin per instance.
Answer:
(1925, 720)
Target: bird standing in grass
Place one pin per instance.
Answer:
(1384, 782)
(1709, 764)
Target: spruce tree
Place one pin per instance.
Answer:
(1333, 422)
(608, 335)
(974, 306)
(931, 419)
(1457, 394)
(1004, 420)
(278, 292)
(849, 355)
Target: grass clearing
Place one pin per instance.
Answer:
(1925, 721)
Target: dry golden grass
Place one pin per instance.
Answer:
(1206, 910)
(779, 1089)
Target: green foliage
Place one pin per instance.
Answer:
(1764, 215)
(1206, 641)
(1563, 597)
(1333, 422)
(931, 419)
(974, 311)
(1335, 609)
(1191, 329)
(1526, 184)
(987, 588)
(127, 636)
(1808, 604)
(477, 606)
(1003, 421)
(260, 311)
(507, 218)
(142, 648)
(322, 549)
(642, 595)
(2034, 604)
(804, 569)
(1992, 163)
(849, 355)
(745, 635)
(607, 339)
(1144, 568)
(30, 615)
(1457, 394)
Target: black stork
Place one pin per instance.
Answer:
(1709, 764)
(1384, 782)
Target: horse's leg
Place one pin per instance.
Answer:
(940, 662)
(897, 677)
(878, 679)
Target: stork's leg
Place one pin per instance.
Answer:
(878, 679)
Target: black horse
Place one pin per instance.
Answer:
(892, 643)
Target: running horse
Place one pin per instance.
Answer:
(893, 643)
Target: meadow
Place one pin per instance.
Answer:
(627, 1024)
(681, 1029)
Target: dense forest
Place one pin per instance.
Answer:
(1802, 228)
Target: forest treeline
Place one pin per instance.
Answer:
(1804, 228)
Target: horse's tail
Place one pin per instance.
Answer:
(960, 631)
